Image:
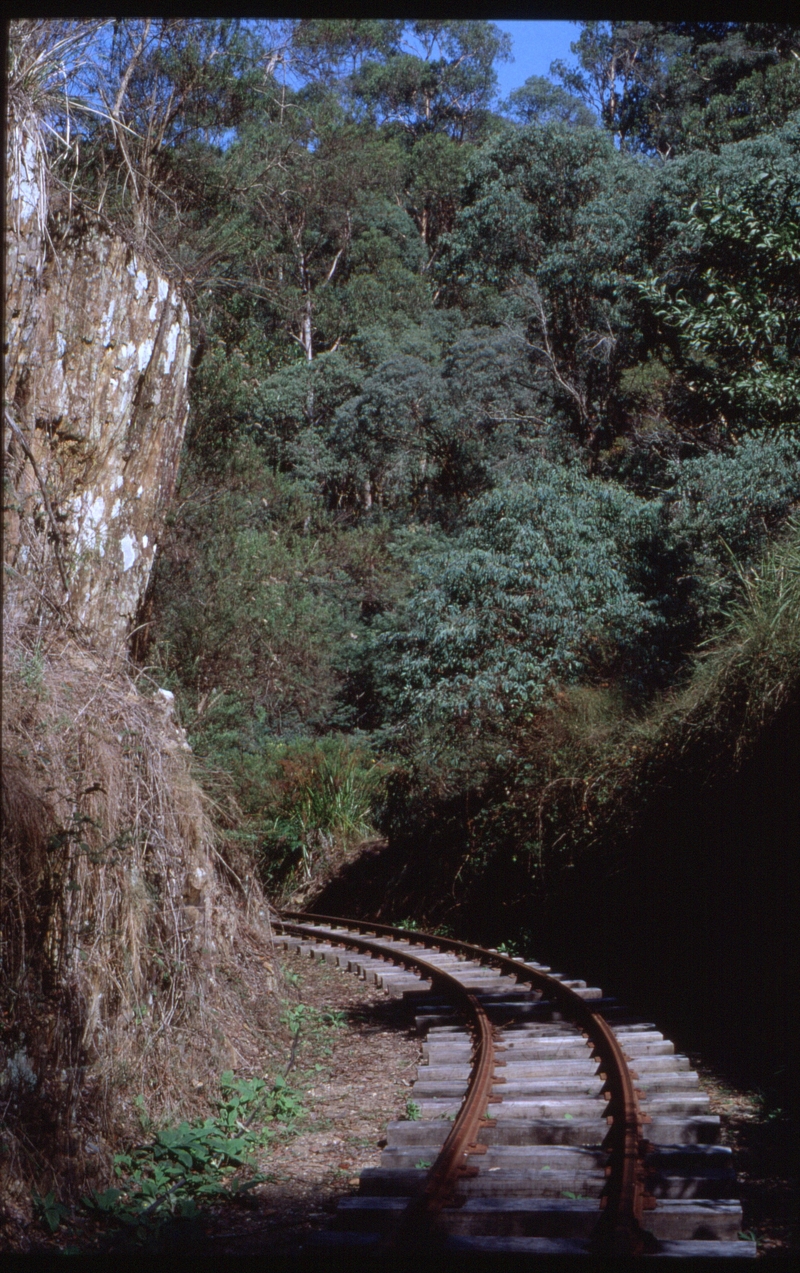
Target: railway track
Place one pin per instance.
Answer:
(544, 1119)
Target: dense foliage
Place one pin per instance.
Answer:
(490, 400)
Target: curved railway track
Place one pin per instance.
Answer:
(546, 1120)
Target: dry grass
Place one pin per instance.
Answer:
(135, 960)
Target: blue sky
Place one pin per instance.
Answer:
(536, 45)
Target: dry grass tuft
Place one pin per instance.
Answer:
(135, 960)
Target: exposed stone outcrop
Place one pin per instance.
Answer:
(97, 361)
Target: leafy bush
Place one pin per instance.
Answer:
(245, 598)
(537, 589)
(738, 324)
(726, 507)
(260, 594)
(565, 577)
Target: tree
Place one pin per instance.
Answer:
(540, 101)
(738, 320)
(160, 85)
(329, 51)
(444, 81)
(619, 64)
(435, 169)
(549, 215)
(667, 88)
(304, 180)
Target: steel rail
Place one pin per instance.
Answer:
(462, 1138)
(619, 1231)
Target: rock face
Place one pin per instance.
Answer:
(97, 365)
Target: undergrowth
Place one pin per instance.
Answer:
(570, 780)
(305, 805)
(740, 680)
(169, 1176)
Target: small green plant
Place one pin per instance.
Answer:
(315, 1021)
(284, 1103)
(144, 1119)
(413, 1111)
(509, 948)
(747, 1235)
(295, 1017)
(166, 1178)
(567, 1193)
(50, 1212)
(423, 1164)
(31, 669)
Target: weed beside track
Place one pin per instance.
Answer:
(316, 1123)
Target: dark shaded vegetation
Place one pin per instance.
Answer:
(493, 432)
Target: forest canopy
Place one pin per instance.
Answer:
(490, 399)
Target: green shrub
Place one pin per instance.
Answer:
(319, 798)
(726, 507)
(246, 600)
(737, 321)
(538, 589)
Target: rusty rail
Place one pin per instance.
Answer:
(462, 1138)
(619, 1231)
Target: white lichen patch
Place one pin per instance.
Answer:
(116, 508)
(163, 289)
(118, 482)
(172, 345)
(145, 541)
(145, 353)
(106, 321)
(128, 546)
(61, 344)
(131, 266)
(92, 533)
(140, 286)
(25, 188)
(126, 353)
(139, 492)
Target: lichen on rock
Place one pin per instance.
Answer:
(97, 401)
